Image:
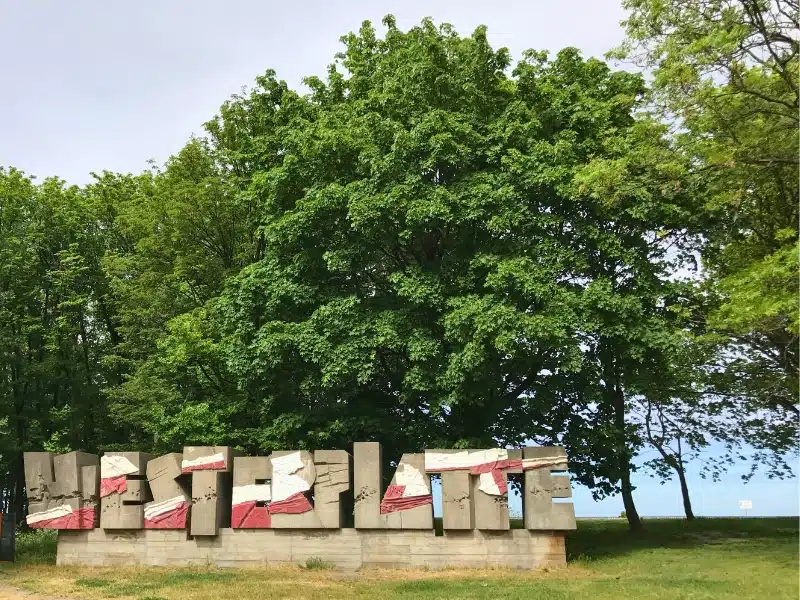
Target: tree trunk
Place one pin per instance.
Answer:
(687, 503)
(615, 396)
(634, 521)
(17, 488)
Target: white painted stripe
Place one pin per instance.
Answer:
(53, 513)
(154, 509)
(290, 475)
(489, 485)
(254, 492)
(203, 460)
(115, 466)
(462, 459)
(415, 481)
(537, 463)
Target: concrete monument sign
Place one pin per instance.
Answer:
(212, 505)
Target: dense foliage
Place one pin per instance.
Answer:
(433, 247)
(726, 75)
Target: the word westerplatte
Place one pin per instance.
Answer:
(206, 488)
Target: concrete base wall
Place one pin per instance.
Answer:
(345, 548)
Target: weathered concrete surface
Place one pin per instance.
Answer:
(162, 476)
(39, 478)
(293, 475)
(514, 454)
(167, 484)
(540, 487)
(68, 480)
(76, 474)
(125, 510)
(419, 517)
(250, 470)
(456, 500)
(211, 502)
(333, 479)
(488, 512)
(367, 488)
(345, 548)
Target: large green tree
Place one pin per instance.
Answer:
(180, 234)
(433, 247)
(726, 75)
(436, 248)
(53, 326)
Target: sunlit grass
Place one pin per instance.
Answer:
(672, 559)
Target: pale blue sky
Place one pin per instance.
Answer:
(769, 497)
(709, 499)
(96, 85)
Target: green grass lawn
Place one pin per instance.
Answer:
(709, 558)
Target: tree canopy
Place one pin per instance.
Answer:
(726, 75)
(432, 246)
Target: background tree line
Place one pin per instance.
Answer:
(436, 247)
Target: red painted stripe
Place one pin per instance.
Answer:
(83, 518)
(394, 491)
(113, 485)
(508, 463)
(293, 505)
(500, 479)
(249, 516)
(212, 466)
(172, 519)
(487, 467)
(390, 505)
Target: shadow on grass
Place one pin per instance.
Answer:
(598, 539)
(594, 539)
(155, 582)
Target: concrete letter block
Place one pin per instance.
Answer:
(409, 495)
(408, 503)
(171, 493)
(211, 502)
(62, 489)
(486, 490)
(252, 477)
(456, 500)
(211, 468)
(123, 489)
(333, 479)
(367, 471)
(293, 475)
(489, 511)
(541, 486)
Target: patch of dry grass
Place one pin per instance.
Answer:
(708, 559)
(96, 583)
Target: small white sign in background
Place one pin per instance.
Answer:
(746, 505)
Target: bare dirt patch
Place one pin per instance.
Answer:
(8, 592)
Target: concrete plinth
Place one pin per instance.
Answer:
(345, 548)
